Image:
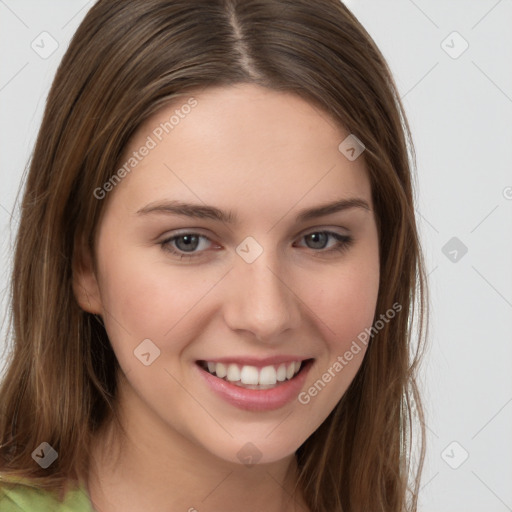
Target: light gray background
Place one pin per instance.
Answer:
(460, 108)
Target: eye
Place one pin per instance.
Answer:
(318, 240)
(192, 245)
(185, 245)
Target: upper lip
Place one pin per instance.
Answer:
(259, 362)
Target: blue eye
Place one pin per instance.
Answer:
(186, 245)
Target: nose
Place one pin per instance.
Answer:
(261, 300)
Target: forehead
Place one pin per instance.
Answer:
(243, 144)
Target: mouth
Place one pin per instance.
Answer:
(256, 377)
(256, 387)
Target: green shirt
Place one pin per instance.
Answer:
(25, 497)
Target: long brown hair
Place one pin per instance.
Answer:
(127, 59)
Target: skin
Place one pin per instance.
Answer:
(265, 155)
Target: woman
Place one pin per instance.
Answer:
(216, 269)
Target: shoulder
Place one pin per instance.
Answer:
(22, 496)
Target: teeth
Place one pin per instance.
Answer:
(233, 373)
(268, 376)
(281, 373)
(253, 376)
(220, 369)
(248, 375)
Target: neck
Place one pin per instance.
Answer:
(155, 468)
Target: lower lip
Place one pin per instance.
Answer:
(254, 399)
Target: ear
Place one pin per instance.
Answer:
(85, 284)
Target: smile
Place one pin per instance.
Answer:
(252, 377)
(244, 385)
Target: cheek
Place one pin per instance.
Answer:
(346, 299)
(345, 308)
(144, 298)
(345, 305)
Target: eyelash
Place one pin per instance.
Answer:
(344, 242)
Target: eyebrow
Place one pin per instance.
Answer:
(198, 211)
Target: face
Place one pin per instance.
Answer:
(212, 256)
